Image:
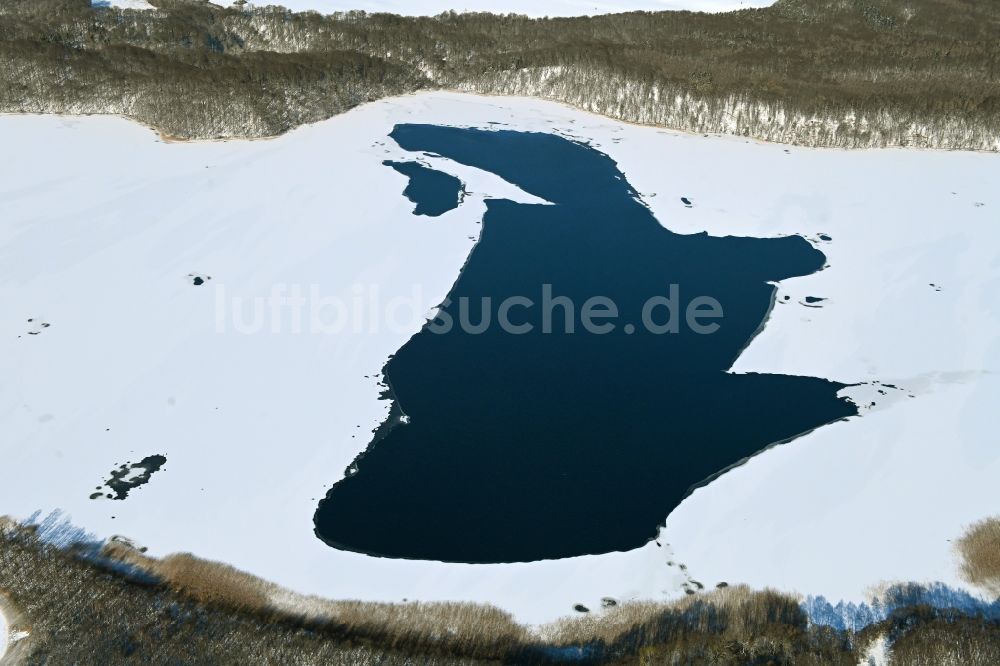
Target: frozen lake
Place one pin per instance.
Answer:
(136, 252)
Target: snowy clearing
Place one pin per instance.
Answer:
(4, 634)
(125, 357)
(123, 4)
(528, 7)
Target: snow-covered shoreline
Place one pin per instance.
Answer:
(12, 635)
(532, 8)
(100, 242)
(4, 633)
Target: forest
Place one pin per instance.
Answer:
(847, 73)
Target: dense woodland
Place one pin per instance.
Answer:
(851, 73)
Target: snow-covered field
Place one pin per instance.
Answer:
(103, 228)
(529, 7)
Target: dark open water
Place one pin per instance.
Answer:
(534, 446)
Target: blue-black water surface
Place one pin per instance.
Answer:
(434, 192)
(534, 446)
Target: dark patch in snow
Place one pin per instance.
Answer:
(197, 279)
(130, 476)
(37, 326)
(812, 301)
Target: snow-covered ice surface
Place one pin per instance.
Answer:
(103, 226)
(529, 7)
